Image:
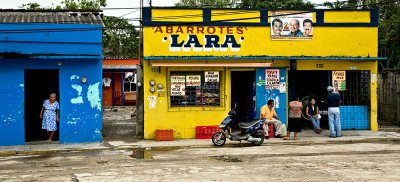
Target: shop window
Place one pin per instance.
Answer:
(195, 88)
(130, 82)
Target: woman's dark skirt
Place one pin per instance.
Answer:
(294, 125)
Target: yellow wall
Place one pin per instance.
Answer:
(179, 15)
(162, 116)
(327, 41)
(236, 15)
(371, 66)
(347, 17)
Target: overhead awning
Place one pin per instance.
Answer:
(253, 65)
(119, 67)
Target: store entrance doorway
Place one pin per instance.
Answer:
(307, 85)
(243, 94)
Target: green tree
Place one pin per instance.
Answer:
(84, 4)
(120, 38)
(246, 3)
(334, 5)
(207, 3)
(388, 27)
(276, 4)
(31, 6)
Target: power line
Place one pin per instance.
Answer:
(177, 23)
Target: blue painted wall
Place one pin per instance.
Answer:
(80, 53)
(61, 39)
(11, 103)
(263, 94)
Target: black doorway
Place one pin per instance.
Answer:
(310, 84)
(243, 92)
(39, 84)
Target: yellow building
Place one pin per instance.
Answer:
(199, 62)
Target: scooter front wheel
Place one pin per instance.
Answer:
(218, 138)
(261, 136)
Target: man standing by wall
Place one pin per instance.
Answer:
(333, 100)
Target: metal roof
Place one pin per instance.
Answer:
(54, 17)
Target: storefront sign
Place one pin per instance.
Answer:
(193, 80)
(211, 76)
(177, 85)
(291, 26)
(339, 80)
(201, 39)
(272, 78)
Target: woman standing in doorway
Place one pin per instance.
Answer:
(51, 115)
(294, 125)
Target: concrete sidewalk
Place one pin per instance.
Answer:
(307, 137)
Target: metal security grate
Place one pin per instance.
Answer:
(357, 88)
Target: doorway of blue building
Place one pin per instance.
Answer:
(39, 84)
(243, 94)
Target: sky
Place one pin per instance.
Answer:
(132, 14)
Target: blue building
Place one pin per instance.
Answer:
(50, 52)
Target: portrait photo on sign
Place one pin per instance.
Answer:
(291, 25)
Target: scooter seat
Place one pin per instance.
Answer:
(248, 125)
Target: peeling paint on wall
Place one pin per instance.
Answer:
(79, 99)
(74, 121)
(152, 101)
(93, 96)
(277, 102)
(73, 77)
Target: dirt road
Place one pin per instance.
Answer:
(336, 162)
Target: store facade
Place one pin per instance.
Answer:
(200, 63)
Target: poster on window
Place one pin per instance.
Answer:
(291, 26)
(272, 78)
(177, 85)
(193, 80)
(339, 80)
(211, 76)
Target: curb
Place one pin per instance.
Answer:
(106, 146)
(246, 144)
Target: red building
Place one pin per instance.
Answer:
(119, 81)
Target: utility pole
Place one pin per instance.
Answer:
(139, 85)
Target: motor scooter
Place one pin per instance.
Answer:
(249, 131)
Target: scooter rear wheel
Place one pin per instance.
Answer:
(218, 138)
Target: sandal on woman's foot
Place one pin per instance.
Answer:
(286, 138)
(296, 138)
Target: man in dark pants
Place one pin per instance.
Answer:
(334, 113)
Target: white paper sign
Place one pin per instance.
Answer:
(211, 76)
(272, 78)
(193, 80)
(177, 85)
(339, 80)
(282, 87)
(373, 78)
